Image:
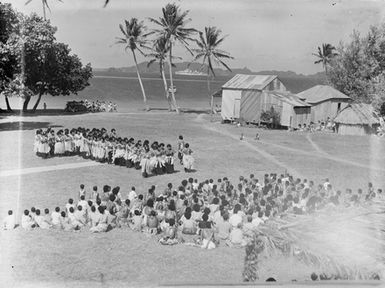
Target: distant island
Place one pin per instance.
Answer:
(293, 81)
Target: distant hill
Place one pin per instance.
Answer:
(293, 81)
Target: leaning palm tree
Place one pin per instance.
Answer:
(134, 39)
(172, 28)
(45, 5)
(208, 44)
(325, 55)
(159, 54)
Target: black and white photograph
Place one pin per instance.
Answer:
(192, 143)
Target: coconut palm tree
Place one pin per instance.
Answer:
(134, 39)
(159, 54)
(45, 5)
(208, 51)
(325, 55)
(172, 27)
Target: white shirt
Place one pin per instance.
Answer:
(83, 203)
(256, 221)
(55, 218)
(132, 195)
(26, 221)
(9, 222)
(235, 219)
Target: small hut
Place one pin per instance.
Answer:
(325, 100)
(357, 119)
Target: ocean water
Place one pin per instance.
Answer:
(124, 90)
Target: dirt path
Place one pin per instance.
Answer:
(315, 146)
(319, 153)
(245, 142)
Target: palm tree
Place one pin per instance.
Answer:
(45, 5)
(134, 39)
(325, 55)
(172, 28)
(159, 54)
(208, 44)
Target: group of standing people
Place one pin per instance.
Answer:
(107, 147)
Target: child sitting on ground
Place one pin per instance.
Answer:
(170, 234)
(9, 222)
(136, 221)
(26, 221)
(236, 237)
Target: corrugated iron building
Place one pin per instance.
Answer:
(357, 119)
(240, 85)
(325, 100)
(246, 97)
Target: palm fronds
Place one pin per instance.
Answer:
(343, 243)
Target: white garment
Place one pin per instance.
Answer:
(55, 218)
(132, 195)
(41, 222)
(9, 222)
(26, 222)
(235, 219)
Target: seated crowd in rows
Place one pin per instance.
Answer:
(99, 145)
(214, 212)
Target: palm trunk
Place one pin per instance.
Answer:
(26, 102)
(171, 81)
(211, 99)
(9, 109)
(37, 102)
(140, 82)
(165, 86)
(42, 2)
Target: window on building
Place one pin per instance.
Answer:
(339, 107)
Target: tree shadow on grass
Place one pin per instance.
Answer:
(40, 112)
(12, 126)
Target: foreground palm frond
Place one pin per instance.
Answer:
(343, 243)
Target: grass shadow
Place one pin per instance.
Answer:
(20, 125)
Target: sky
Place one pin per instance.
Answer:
(261, 34)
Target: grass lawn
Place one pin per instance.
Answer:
(122, 255)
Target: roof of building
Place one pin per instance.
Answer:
(320, 93)
(249, 82)
(357, 114)
(289, 98)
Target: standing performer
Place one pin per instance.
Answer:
(188, 160)
(169, 161)
(180, 149)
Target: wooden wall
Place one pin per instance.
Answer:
(325, 109)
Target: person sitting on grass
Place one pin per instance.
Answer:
(9, 222)
(170, 234)
(101, 225)
(236, 238)
(188, 226)
(136, 221)
(55, 216)
(41, 221)
(207, 233)
(224, 227)
(152, 223)
(26, 221)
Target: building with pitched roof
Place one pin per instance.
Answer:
(325, 100)
(357, 119)
(247, 97)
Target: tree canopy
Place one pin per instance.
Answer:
(359, 68)
(41, 64)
